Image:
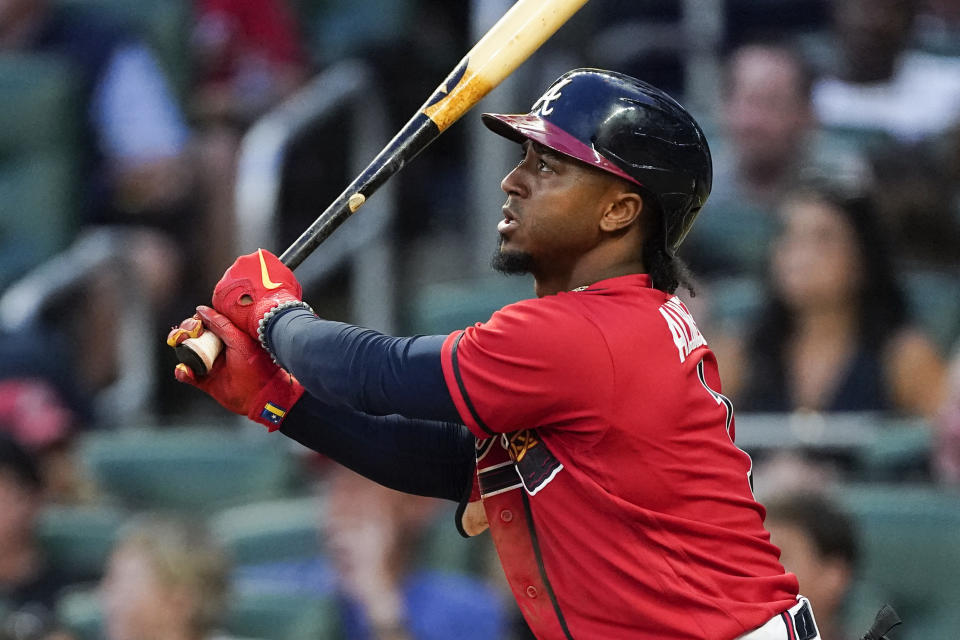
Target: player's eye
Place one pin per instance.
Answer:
(543, 166)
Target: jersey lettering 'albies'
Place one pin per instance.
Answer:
(617, 499)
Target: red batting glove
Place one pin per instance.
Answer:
(243, 378)
(254, 284)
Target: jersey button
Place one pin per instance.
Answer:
(532, 591)
(506, 515)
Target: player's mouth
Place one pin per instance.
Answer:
(509, 222)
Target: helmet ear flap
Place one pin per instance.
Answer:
(678, 224)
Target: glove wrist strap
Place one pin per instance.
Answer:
(272, 313)
(277, 397)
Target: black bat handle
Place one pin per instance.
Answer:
(200, 353)
(415, 136)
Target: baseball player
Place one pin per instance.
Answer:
(585, 428)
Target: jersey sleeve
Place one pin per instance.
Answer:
(535, 363)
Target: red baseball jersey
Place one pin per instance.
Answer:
(619, 504)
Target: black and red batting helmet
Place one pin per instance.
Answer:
(628, 128)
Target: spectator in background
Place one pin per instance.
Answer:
(770, 136)
(165, 580)
(42, 408)
(835, 335)
(372, 535)
(877, 83)
(818, 543)
(135, 162)
(249, 57)
(34, 414)
(135, 171)
(919, 200)
(373, 538)
(29, 586)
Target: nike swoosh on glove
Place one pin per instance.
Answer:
(253, 285)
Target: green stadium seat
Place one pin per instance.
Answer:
(39, 160)
(735, 301)
(442, 548)
(934, 300)
(336, 30)
(283, 616)
(78, 539)
(447, 306)
(79, 612)
(251, 614)
(270, 531)
(910, 557)
(900, 452)
(730, 239)
(187, 468)
(863, 138)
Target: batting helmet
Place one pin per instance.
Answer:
(628, 128)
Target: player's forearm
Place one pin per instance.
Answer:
(371, 372)
(422, 457)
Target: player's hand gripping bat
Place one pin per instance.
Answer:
(520, 32)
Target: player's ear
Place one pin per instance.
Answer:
(623, 208)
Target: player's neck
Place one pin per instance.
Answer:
(582, 275)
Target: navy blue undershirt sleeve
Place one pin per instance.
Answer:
(342, 364)
(422, 457)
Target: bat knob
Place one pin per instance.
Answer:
(199, 353)
(192, 359)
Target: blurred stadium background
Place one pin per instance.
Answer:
(265, 111)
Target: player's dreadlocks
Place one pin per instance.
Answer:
(667, 272)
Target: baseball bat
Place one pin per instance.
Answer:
(520, 32)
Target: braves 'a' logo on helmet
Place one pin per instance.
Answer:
(542, 106)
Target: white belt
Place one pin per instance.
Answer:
(796, 623)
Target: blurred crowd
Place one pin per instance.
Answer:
(827, 282)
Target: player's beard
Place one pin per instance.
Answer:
(511, 262)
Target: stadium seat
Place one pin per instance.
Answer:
(79, 612)
(735, 301)
(901, 451)
(865, 139)
(270, 531)
(443, 549)
(731, 239)
(250, 614)
(39, 157)
(283, 616)
(336, 30)
(187, 468)
(78, 539)
(447, 306)
(909, 557)
(934, 300)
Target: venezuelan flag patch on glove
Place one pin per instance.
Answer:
(272, 413)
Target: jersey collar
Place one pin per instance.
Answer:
(631, 280)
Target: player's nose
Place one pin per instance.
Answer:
(514, 184)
